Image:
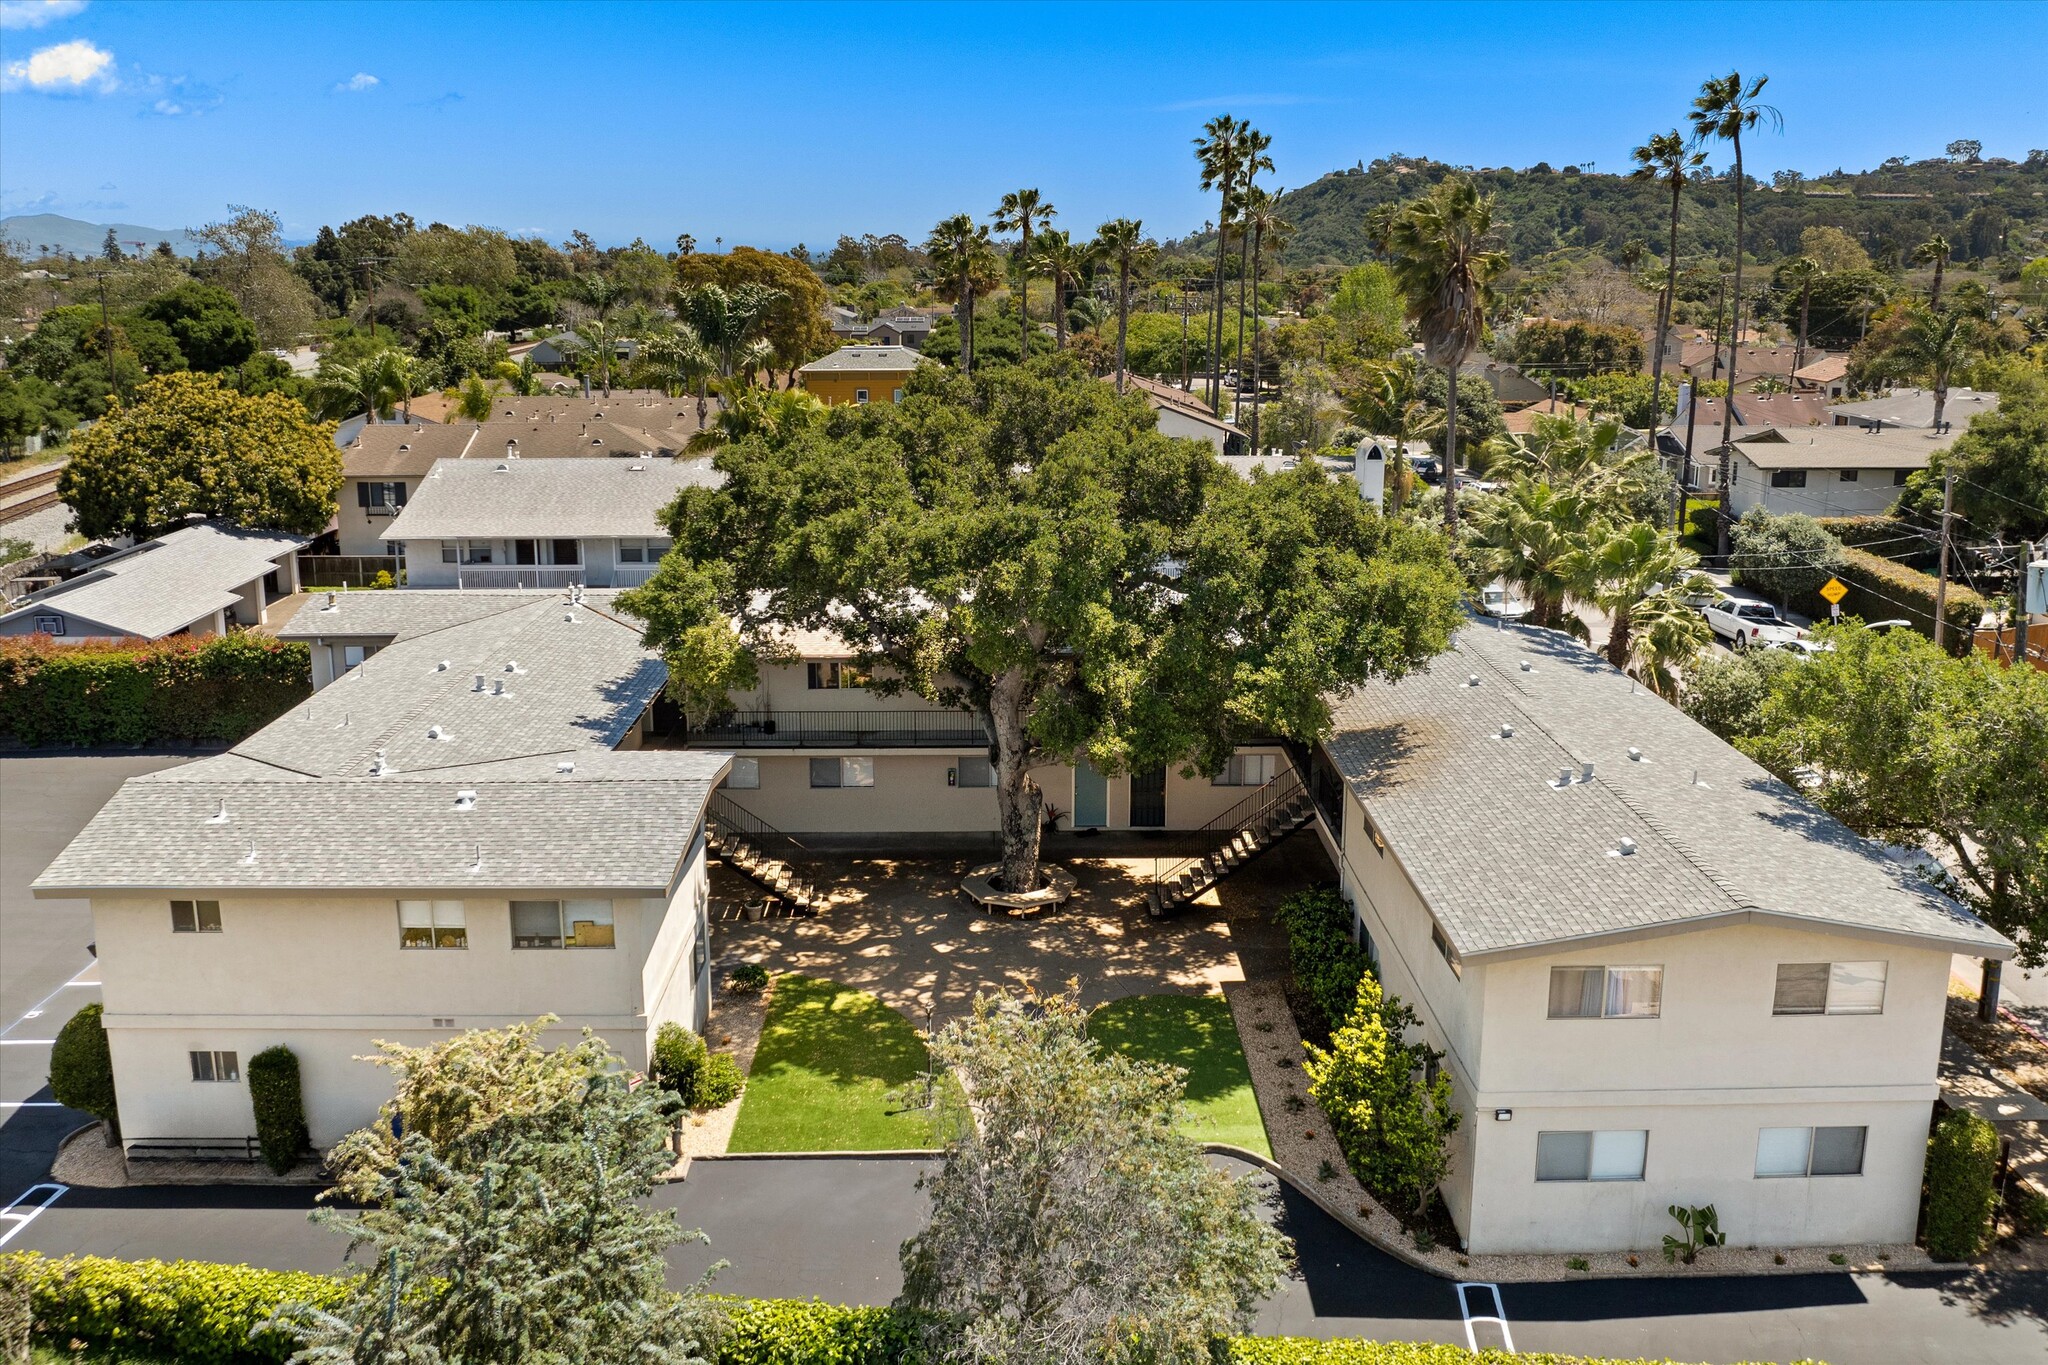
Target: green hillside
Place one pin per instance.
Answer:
(1985, 208)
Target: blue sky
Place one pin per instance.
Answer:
(781, 123)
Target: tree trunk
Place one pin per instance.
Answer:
(1216, 350)
(1258, 245)
(1123, 316)
(1618, 639)
(1020, 805)
(1734, 349)
(1940, 396)
(1059, 313)
(1934, 295)
(1451, 451)
(1805, 305)
(1244, 247)
(1666, 306)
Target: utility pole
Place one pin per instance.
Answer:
(107, 341)
(1186, 377)
(370, 279)
(1948, 507)
(2019, 631)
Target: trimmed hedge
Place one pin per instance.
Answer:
(82, 1069)
(280, 1107)
(1880, 590)
(183, 689)
(1962, 1175)
(1325, 963)
(1889, 534)
(202, 1314)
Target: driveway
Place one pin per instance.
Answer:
(831, 1227)
(46, 973)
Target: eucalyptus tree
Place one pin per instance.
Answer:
(1063, 260)
(1727, 107)
(1018, 213)
(1025, 544)
(1221, 150)
(961, 256)
(1446, 265)
(1665, 159)
(1123, 241)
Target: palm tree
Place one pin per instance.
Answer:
(1255, 160)
(1379, 228)
(600, 337)
(1018, 211)
(410, 377)
(1726, 109)
(1123, 241)
(1936, 250)
(369, 386)
(1221, 150)
(1618, 571)
(1446, 269)
(1665, 158)
(1535, 537)
(678, 357)
(725, 320)
(1063, 260)
(1390, 403)
(1803, 273)
(1933, 346)
(1268, 229)
(960, 253)
(750, 412)
(1665, 634)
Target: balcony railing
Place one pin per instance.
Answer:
(841, 730)
(630, 575)
(495, 576)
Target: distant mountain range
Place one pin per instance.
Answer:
(41, 232)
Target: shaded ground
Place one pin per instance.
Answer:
(1197, 1034)
(836, 1071)
(899, 927)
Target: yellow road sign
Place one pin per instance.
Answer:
(1833, 590)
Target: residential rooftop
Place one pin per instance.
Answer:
(546, 498)
(1915, 408)
(1510, 862)
(1839, 448)
(163, 585)
(865, 359)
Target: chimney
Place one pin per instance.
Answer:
(1369, 467)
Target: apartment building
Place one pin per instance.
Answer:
(518, 523)
(462, 832)
(1657, 975)
(860, 374)
(1822, 471)
(205, 578)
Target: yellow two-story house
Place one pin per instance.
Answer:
(860, 374)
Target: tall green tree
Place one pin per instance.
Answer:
(370, 386)
(1665, 159)
(1535, 537)
(1621, 569)
(1256, 145)
(727, 320)
(1073, 1221)
(1389, 402)
(1020, 211)
(677, 358)
(1934, 251)
(1268, 230)
(1934, 347)
(1025, 544)
(189, 445)
(962, 257)
(1123, 242)
(1726, 108)
(209, 328)
(1904, 743)
(1802, 273)
(1446, 265)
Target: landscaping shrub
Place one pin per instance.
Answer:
(1880, 590)
(184, 689)
(1389, 1108)
(719, 1082)
(1962, 1171)
(800, 1332)
(189, 1311)
(1325, 963)
(749, 978)
(82, 1069)
(678, 1061)
(2027, 1207)
(280, 1107)
(1889, 536)
(1786, 558)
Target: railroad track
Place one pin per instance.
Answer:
(29, 493)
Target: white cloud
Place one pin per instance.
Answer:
(71, 66)
(361, 81)
(36, 13)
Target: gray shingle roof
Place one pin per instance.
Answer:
(541, 498)
(1839, 448)
(1508, 861)
(402, 613)
(865, 358)
(171, 582)
(1915, 408)
(581, 680)
(618, 823)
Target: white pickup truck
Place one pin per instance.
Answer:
(1748, 625)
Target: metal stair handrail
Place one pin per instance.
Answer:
(1243, 816)
(730, 817)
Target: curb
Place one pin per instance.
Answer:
(1406, 1255)
(885, 1154)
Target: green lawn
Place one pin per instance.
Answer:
(1193, 1032)
(829, 1060)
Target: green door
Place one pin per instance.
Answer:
(1091, 797)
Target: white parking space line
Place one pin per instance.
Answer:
(25, 1209)
(74, 983)
(30, 1104)
(1498, 1317)
(26, 1042)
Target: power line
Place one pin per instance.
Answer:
(2028, 506)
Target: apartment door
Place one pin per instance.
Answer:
(1091, 797)
(1148, 798)
(567, 552)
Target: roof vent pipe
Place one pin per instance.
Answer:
(1507, 731)
(434, 732)
(219, 817)
(1635, 755)
(498, 688)
(1564, 777)
(377, 765)
(249, 859)
(331, 599)
(465, 800)
(441, 667)
(1472, 680)
(1528, 667)
(1626, 848)
(478, 684)
(1586, 774)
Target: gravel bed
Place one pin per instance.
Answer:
(1304, 1147)
(84, 1160)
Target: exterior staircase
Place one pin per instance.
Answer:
(743, 839)
(1249, 828)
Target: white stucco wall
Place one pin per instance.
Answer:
(1872, 493)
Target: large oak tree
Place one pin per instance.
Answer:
(1024, 543)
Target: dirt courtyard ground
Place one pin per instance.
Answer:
(899, 927)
